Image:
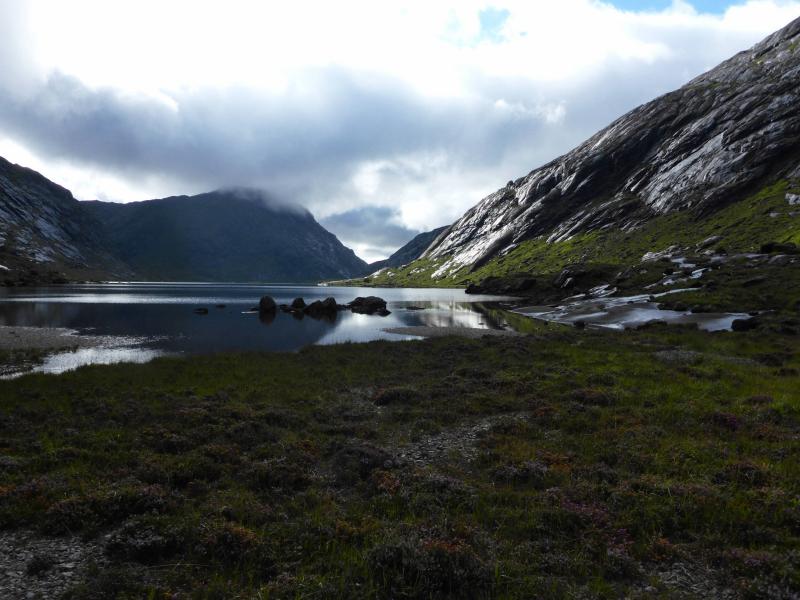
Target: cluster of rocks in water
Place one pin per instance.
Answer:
(327, 308)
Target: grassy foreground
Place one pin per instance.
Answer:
(654, 463)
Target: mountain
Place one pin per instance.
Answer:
(227, 235)
(685, 165)
(410, 252)
(46, 235)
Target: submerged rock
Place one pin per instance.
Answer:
(201, 311)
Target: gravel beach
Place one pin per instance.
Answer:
(42, 338)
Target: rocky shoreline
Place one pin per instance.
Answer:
(43, 338)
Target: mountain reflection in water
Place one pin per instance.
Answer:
(162, 315)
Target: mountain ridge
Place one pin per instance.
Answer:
(234, 234)
(224, 235)
(409, 252)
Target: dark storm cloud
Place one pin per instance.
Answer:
(310, 135)
(373, 226)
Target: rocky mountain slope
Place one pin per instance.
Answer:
(721, 139)
(45, 235)
(227, 235)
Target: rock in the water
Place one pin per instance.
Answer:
(298, 304)
(267, 304)
(369, 305)
(323, 308)
(201, 311)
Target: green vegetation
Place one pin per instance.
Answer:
(660, 462)
(20, 360)
(742, 226)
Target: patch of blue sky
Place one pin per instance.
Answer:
(492, 21)
(703, 6)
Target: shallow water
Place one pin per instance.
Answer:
(161, 319)
(628, 312)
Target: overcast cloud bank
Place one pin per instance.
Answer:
(383, 121)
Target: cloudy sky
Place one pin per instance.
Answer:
(383, 118)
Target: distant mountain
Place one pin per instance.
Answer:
(408, 253)
(227, 235)
(46, 235)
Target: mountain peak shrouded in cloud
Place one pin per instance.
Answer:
(416, 109)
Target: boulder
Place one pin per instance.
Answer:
(298, 304)
(709, 242)
(322, 308)
(201, 311)
(368, 306)
(267, 305)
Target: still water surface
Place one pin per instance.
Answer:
(160, 317)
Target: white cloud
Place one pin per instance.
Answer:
(337, 105)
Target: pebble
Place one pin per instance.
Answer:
(70, 557)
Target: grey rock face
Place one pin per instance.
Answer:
(42, 225)
(718, 138)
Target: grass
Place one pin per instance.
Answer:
(561, 464)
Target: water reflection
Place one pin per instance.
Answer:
(67, 361)
(164, 315)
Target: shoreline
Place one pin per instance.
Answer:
(14, 337)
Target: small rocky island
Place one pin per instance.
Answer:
(327, 308)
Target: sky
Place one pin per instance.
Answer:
(384, 119)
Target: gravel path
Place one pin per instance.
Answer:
(467, 332)
(42, 338)
(459, 443)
